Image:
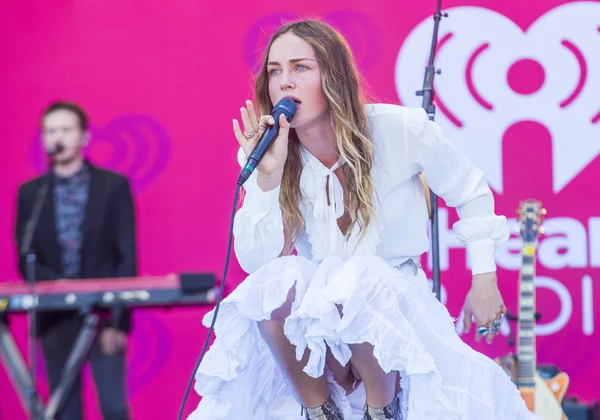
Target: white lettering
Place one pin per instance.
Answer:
(594, 234)
(447, 240)
(587, 305)
(566, 306)
(564, 244)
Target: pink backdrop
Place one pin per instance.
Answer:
(162, 81)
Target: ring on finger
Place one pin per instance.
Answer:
(482, 331)
(249, 135)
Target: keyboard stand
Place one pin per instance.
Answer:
(19, 372)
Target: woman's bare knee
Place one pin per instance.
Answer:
(272, 329)
(280, 314)
(381, 387)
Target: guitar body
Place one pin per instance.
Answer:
(558, 385)
(547, 406)
(546, 397)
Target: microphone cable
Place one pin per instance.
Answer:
(287, 107)
(218, 304)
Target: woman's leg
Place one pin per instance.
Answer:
(380, 387)
(311, 392)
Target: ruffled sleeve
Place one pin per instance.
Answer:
(258, 224)
(461, 184)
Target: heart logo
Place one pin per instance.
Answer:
(134, 145)
(495, 74)
(360, 31)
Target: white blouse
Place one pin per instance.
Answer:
(405, 144)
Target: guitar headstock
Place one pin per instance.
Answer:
(531, 215)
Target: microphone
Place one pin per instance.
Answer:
(285, 106)
(58, 147)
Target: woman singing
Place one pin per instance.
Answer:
(336, 319)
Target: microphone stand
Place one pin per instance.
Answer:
(30, 274)
(428, 94)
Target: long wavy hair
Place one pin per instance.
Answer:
(343, 88)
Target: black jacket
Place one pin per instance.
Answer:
(108, 242)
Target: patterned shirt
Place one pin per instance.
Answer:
(70, 199)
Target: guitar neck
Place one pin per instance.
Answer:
(526, 350)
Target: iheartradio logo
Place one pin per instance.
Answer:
(496, 75)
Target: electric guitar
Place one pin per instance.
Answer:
(542, 396)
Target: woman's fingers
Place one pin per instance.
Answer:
(249, 130)
(264, 121)
(252, 115)
(239, 135)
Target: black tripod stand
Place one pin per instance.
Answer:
(428, 94)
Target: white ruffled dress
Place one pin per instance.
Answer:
(386, 301)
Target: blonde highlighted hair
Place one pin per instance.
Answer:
(342, 86)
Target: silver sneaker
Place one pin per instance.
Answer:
(390, 412)
(327, 411)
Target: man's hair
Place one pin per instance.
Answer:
(68, 106)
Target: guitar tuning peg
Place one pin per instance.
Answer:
(543, 211)
(542, 230)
